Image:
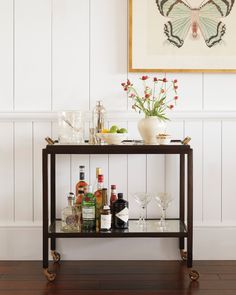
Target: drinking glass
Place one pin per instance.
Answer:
(163, 201)
(70, 125)
(142, 199)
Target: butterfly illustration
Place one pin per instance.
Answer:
(204, 19)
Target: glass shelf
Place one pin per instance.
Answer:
(152, 228)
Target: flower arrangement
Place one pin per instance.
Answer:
(155, 100)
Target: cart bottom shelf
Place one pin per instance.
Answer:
(151, 228)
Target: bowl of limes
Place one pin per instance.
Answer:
(114, 135)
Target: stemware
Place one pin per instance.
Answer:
(163, 200)
(142, 198)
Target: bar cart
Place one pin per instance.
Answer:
(177, 227)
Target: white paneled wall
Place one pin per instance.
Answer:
(66, 54)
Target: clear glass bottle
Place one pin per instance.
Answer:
(99, 117)
(89, 210)
(69, 217)
(120, 212)
(81, 185)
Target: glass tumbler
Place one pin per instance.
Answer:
(70, 125)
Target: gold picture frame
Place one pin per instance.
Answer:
(135, 16)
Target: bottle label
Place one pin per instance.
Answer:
(71, 220)
(123, 214)
(88, 212)
(105, 221)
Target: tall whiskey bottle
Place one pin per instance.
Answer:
(81, 185)
(99, 200)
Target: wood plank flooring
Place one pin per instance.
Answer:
(118, 277)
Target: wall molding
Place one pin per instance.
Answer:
(119, 116)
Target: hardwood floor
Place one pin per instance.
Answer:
(118, 277)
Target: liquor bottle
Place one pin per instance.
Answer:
(120, 213)
(105, 222)
(113, 197)
(88, 210)
(98, 172)
(81, 184)
(78, 204)
(98, 195)
(69, 217)
(99, 117)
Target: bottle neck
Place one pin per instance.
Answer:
(70, 202)
(81, 175)
(113, 191)
(100, 185)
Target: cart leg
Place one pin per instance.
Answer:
(50, 276)
(182, 197)
(190, 210)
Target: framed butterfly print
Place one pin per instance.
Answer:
(182, 35)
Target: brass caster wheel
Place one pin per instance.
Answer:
(50, 276)
(55, 256)
(183, 254)
(194, 275)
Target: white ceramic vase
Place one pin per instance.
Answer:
(149, 128)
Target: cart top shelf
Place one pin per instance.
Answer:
(117, 149)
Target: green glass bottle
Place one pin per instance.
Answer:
(89, 210)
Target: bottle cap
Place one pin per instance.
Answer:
(104, 189)
(113, 186)
(81, 191)
(82, 166)
(120, 195)
(98, 171)
(100, 178)
(71, 194)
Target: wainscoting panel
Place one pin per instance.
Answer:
(108, 53)
(6, 55)
(212, 190)
(194, 129)
(32, 55)
(23, 158)
(70, 54)
(7, 171)
(228, 171)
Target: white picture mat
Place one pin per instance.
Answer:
(151, 50)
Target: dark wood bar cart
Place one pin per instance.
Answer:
(176, 227)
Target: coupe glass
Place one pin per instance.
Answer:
(142, 199)
(163, 201)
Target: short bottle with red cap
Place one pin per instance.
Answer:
(113, 196)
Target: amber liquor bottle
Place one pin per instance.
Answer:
(99, 200)
(81, 185)
(120, 213)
